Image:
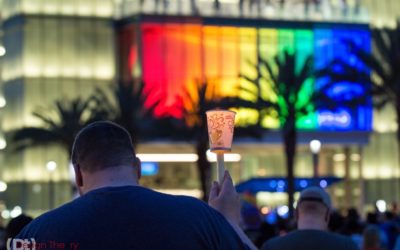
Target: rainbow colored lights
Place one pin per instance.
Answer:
(176, 56)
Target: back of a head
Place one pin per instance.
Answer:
(102, 145)
(16, 224)
(371, 237)
(314, 204)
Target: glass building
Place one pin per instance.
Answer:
(65, 49)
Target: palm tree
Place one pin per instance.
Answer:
(130, 110)
(382, 65)
(286, 85)
(61, 123)
(294, 98)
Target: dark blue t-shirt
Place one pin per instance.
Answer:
(131, 217)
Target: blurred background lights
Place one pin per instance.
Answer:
(3, 143)
(264, 210)
(381, 205)
(17, 210)
(283, 210)
(5, 214)
(303, 183)
(323, 183)
(3, 186)
(2, 51)
(315, 146)
(51, 166)
(2, 102)
(339, 157)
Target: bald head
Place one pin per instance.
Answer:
(313, 209)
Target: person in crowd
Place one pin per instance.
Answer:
(14, 227)
(371, 238)
(2, 238)
(312, 214)
(353, 227)
(373, 219)
(397, 244)
(336, 222)
(115, 212)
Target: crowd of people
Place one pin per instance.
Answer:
(115, 212)
(377, 231)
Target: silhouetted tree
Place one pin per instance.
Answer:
(61, 123)
(293, 97)
(127, 107)
(382, 64)
(286, 84)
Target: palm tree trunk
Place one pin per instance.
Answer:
(290, 141)
(203, 166)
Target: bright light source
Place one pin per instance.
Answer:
(2, 51)
(3, 186)
(51, 166)
(167, 157)
(188, 192)
(381, 205)
(2, 102)
(227, 157)
(16, 212)
(315, 146)
(5, 214)
(283, 210)
(339, 157)
(303, 183)
(323, 183)
(3, 143)
(264, 210)
(355, 157)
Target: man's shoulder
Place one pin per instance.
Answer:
(310, 239)
(61, 213)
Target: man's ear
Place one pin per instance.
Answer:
(138, 165)
(78, 175)
(328, 216)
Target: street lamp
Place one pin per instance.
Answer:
(51, 167)
(315, 147)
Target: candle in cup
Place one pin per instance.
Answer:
(221, 124)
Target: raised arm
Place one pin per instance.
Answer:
(225, 199)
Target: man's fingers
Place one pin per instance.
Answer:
(214, 191)
(227, 184)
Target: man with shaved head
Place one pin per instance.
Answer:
(312, 214)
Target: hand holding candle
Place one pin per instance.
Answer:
(221, 124)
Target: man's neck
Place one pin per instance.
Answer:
(312, 223)
(109, 177)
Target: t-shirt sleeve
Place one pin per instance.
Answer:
(227, 237)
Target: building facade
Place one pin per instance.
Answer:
(65, 49)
